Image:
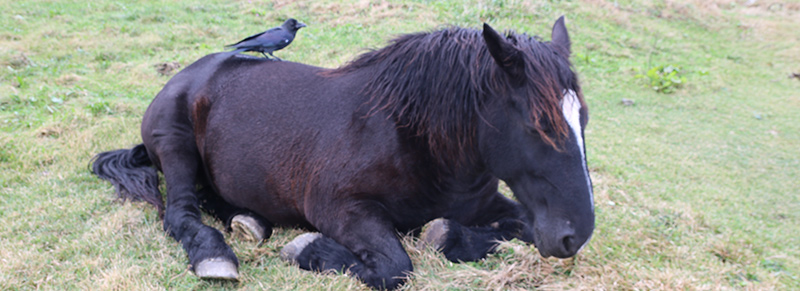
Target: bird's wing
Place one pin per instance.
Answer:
(275, 38)
(246, 39)
(271, 30)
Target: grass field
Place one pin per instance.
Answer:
(697, 189)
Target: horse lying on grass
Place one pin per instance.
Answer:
(421, 129)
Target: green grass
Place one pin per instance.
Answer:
(696, 189)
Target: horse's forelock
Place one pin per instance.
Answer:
(549, 77)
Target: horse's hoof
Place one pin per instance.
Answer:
(217, 268)
(435, 235)
(295, 247)
(248, 227)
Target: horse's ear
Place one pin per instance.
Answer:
(504, 53)
(560, 36)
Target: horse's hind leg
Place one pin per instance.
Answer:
(469, 243)
(365, 245)
(237, 220)
(471, 236)
(209, 255)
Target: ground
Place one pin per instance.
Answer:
(695, 189)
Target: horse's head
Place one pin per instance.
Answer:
(533, 139)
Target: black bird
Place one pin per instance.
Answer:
(269, 41)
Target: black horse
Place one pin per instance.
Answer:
(421, 129)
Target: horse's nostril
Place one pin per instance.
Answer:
(570, 245)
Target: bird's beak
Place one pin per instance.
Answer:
(300, 24)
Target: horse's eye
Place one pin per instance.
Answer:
(540, 130)
(545, 126)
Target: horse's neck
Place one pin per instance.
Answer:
(466, 183)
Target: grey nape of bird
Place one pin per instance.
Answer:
(269, 41)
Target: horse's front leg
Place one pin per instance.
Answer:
(357, 238)
(470, 236)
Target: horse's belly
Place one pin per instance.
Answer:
(278, 210)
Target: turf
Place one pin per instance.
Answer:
(695, 189)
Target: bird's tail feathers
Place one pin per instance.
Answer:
(241, 50)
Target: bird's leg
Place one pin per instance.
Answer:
(265, 55)
(275, 57)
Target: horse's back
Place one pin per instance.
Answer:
(234, 93)
(276, 137)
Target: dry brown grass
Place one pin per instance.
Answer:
(62, 229)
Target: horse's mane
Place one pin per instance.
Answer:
(435, 85)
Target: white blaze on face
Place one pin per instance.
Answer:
(571, 107)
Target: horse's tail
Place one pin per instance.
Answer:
(131, 173)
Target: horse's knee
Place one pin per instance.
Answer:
(393, 276)
(386, 270)
(385, 275)
(387, 282)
